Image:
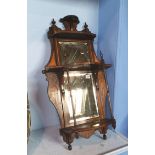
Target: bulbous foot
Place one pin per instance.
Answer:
(104, 137)
(76, 136)
(69, 147)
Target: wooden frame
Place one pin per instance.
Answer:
(55, 72)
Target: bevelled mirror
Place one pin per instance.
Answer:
(77, 85)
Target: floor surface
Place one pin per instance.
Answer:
(48, 142)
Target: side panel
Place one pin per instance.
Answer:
(54, 95)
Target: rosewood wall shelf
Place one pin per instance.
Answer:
(77, 84)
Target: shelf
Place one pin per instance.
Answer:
(89, 125)
(77, 67)
(72, 35)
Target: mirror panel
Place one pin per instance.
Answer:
(81, 100)
(73, 52)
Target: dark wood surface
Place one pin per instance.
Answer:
(72, 35)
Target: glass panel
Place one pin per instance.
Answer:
(83, 95)
(73, 52)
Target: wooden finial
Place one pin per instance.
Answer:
(85, 25)
(85, 28)
(53, 22)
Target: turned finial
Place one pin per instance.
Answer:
(85, 28)
(85, 25)
(53, 22)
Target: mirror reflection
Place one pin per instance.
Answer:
(80, 95)
(73, 52)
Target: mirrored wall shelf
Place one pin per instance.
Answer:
(77, 84)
